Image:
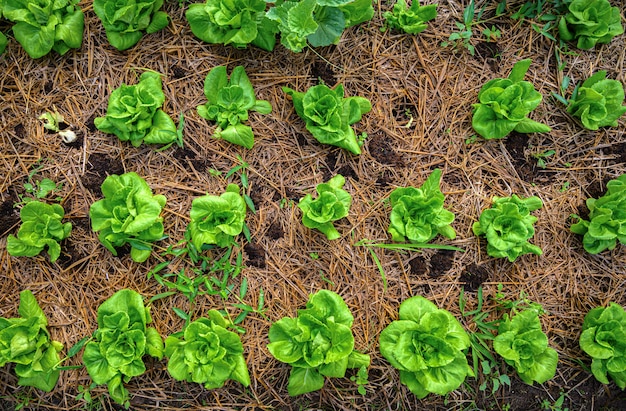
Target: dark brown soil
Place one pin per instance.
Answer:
(322, 72)
(275, 231)
(418, 265)
(256, 255)
(9, 216)
(441, 262)
(474, 276)
(379, 147)
(100, 166)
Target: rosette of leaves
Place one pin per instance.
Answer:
(45, 25)
(317, 343)
(134, 113)
(331, 204)
(328, 115)
(25, 341)
(590, 22)
(427, 346)
(410, 19)
(418, 213)
(524, 346)
(236, 22)
(115, 353)
(504, 105)
(228, 104)
(41, 228)
(125, 21)
(598, 102)
(217, 219)
(508, 225)
(128, 213)
(320, 22)
(603, 338)
(607, 219)
(207, 353)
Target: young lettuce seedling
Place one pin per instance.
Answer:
(332, 204)
(590, 22)
(410, 19)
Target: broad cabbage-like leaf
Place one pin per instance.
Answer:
(318, 22)
(508, 225)
(607, 219)
(426, 345)
(317, 343)
(41, 228)
(207, 353)
(115, 354)
(410, 19)
(236, 22)
(228, 104)
(603, 338)
(217, 219)
(128, 213)
(328, 115)
(524, 346)
(45, 25)
(25, 341)
(504, 105)
(125, 21)
(418, 213)
(134, 113)
(590, 22)
(598, 102)
(332, 204)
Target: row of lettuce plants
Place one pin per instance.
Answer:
(426, 344)
(45, 25)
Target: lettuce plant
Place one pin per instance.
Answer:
(25, 341)
(3, 40)
(125, 21)
(45, 25)
(115, 353)
(228, 103)
(317, 343)
(320, 22)
(418, 213)
(598, 102)
(504, 105)
(128, 213)
(524, 346)
(217, 219)
(410, 19)
(427, 346)
(41, 228)
(332, 204)
(328, 115)
(236, 22)
(508, 226)
(134, 113)
(603, 338)
(607, 219)
(207, 353)
(590, 22)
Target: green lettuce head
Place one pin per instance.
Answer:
(603, 338)
(317, 344)
(411, 20)
(427, 346)
(125, 20)
(128, 213)
(45, 25)
(115, 354)
(217, 219)
(590, 22)
(328, 115)
(504, 105)
(418, 213)
(598, 102)
(134, 113)
(41, 228)
(332, 204)
(207, 353)
(524, 346)
(508, 225)
(607, 219)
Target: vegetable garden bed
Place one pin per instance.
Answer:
(421, 96)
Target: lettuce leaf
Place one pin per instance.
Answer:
(598, 102)
(590, 22)
(332, 204)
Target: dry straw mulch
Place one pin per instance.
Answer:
(421, 95)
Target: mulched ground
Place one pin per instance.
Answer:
(421, 118)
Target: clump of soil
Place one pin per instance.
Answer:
(418, 265)
(474, 276)
(381, 149)
(256, 255)
(100, 167)
(275, 231)
(188, 159)
(9, 216)
(441, 262)
(323, 73)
